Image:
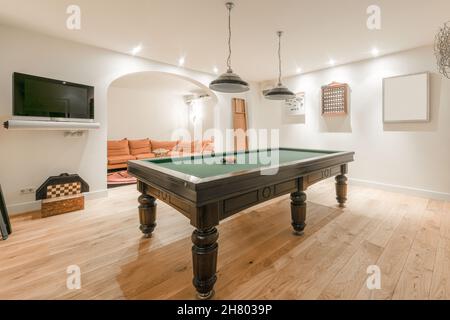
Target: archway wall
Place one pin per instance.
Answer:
(52, 153)
(153, 105)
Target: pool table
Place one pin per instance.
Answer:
(208, 189)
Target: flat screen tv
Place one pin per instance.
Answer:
(52, 99)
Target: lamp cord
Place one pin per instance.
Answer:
(229, 38)
(279, 58)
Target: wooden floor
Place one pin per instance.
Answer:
(259, 258)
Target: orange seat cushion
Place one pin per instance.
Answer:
(168, 145)
(118, 148)
(208, 147)
(205, 142)
(185, 146)
(138, 147)
(120, 159)
(197, 146)
(145, 156)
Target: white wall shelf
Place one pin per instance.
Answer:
(50, 125)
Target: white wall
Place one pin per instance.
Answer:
(27, 158)
(138, 114)
(403, 157)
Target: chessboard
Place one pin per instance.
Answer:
(62, 190)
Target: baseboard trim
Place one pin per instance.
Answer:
(21, 208)
(402, 189)
(24, 207)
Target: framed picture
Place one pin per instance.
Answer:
(296, 106)
(5, 224)
(406, 98)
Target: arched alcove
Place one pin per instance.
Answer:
(153, 104)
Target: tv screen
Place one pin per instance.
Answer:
(42, 97)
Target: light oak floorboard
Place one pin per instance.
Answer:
(259, 257)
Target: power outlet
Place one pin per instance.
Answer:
(27, 191)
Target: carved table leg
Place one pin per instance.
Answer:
(341, 190)
(147, 214)
(204, 257)
(298, 211)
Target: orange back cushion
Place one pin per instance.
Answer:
(205, 142)
(139, 146)
(118, 148)
(168, 145)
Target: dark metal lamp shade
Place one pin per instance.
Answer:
(229, 82)
(280, 92)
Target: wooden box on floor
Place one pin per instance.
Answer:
(60, 205)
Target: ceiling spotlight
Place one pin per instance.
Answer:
(298, 70)
(229, 82)
(215, 70)
(375, 52)
(280, 92)
(331, 62)
(181, 62)
(136, 50)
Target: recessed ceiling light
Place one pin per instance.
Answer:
(181, 61)
(331, 62)
(216, 70)
(299, 70)
(375, 52)
(136, 50)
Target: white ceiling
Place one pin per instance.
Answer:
(315, 31)
(158, 82)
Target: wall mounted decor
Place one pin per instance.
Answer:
(442, 49)
(296, 106)
(240, 124)
(335, 99)
(406, 98)
(5, 225)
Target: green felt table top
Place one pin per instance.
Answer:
(203, 167)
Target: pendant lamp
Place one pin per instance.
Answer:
(280, 92)
(229, 82)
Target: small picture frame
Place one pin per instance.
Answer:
(296, 106)
(5, 225)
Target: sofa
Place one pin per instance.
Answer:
(121, 151)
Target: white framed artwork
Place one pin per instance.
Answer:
(406, 98)
(296, 106)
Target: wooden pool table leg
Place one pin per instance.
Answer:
(341, 190)
(147, 214)
(298, 212)
(204, 258)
